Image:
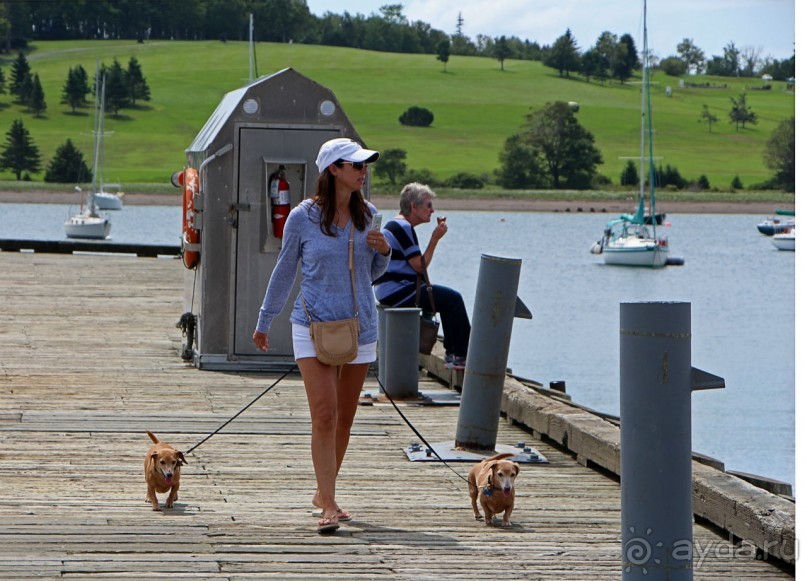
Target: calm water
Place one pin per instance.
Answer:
(741, 288)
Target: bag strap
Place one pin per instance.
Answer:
(425, 276)
(352, 279)
(352, 271)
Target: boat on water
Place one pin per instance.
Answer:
(785, 240)
(88, 223)
(782, 221)
(632, 239)
(104, 200)
(108, 200)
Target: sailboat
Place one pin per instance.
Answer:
(88, 223)
(104, 200)
(632, 239)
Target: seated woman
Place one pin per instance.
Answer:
(397, 287)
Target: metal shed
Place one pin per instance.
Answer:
(277, 122)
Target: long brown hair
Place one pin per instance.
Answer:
(325, 198)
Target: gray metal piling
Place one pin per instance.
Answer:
(402, 342)
(495, 306)
(656, 381)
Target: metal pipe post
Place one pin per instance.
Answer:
(402, 338)
(486, 364)
(656, 440)
(382, 343)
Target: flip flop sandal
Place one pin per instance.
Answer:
(343, 516)
(327, 525)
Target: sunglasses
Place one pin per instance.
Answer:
(357, 165)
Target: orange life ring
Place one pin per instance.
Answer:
(189, 179)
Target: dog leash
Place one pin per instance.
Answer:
(414, 429)
(380, 384)
(243, 409)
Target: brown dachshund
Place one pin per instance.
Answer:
(162, 468)
(494, 478)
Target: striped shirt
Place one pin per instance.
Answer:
(397, 285)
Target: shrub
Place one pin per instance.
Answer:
(602, 181)
(417, 117)
(703, 183)
(465, 181)
(736, 184)
(669, 176)
(673, 66)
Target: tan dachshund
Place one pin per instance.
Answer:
(492, 482)
(162, 468)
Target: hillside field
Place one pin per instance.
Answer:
(476, 107)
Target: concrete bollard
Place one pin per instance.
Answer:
(495, 306)
(656, 382)
(402, 345)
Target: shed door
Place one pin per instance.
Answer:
(261, 152)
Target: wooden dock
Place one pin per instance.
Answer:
(89, 360)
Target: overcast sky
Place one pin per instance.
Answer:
(765, 25)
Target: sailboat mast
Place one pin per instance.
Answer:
(101, 161)
(647, 121)
(643, 104)
(251, 55)
(99, 128)
(95, 133)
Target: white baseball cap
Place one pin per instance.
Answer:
(344, 149)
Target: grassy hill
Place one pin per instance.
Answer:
(476, 107)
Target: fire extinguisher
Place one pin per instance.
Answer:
(281, 205)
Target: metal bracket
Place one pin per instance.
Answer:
(701, 380)
(416, 452)
(522, 311)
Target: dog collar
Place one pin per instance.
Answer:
(488, 490)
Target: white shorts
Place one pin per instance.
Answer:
(304, 346)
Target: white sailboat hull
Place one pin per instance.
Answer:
(86, 226)
(785, 240)
(635, 251)
(108, 201)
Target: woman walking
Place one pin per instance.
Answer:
(317, 236)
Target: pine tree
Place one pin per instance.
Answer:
(20, 71)
(68, 166)
(564, 56)
(117, 95)
(76, 88)
(25, 90)
(630, 175)
(136, 83)
(19, 154)
(36, 99)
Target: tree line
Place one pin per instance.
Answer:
(23, 21)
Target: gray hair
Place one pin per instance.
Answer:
(414, 193)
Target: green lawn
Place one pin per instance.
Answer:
(475, 104)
